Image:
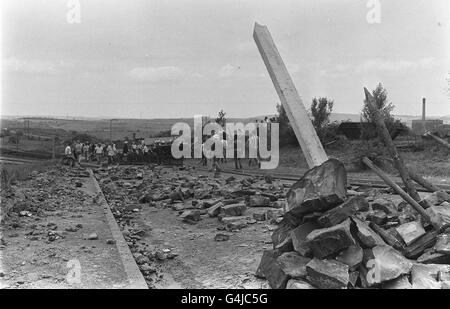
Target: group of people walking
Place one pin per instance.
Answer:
(89, 152)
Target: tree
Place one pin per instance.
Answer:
(385, 107)
(287, 135)
(221, 118)
(321, 109)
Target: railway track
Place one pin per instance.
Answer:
(352, 180)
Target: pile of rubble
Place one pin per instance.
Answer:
(331, 237)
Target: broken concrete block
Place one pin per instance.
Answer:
(327, 274)
(401, 283)
(410, 231)
(293, 264)
(271, 270)
(234, 210)
(258, 201)
(298, 284)
(214, 210)
(367, 237)
(384, 264)
(384, 205)
(443, 244)
(298, 236)
(328, 241)
(439, 215)
(425, 276)
(352, 256)
(320, 189)
(340, 213)
(190, 216)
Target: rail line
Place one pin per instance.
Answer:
(352, 180)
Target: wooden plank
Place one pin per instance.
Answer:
(384, 134)
(397, 189)
(439, 140)
(298, 117)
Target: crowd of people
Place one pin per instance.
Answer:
(135, 151)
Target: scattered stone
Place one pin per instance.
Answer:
(340, 213)
(367, 237)
(234, 210)
(25, 213)
(258, 201)
(214, 210)
(298, 284)
(271, 270)
(328, 274)
(293, 264)
(443, 244)
(321, 188)
(191, 216)
(260, 216)
(439, 215)
(431, 257)
(385, 264)
(377, 216)
(401, 283)
(384, 205)
(92, 236)
(328, 241)
(352, 256)
(221, 237)
(235, 223)
(410, 231)
(298, 236)
(425, 276)
(110, 242)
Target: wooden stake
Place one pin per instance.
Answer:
(384, 134)
(397, 189)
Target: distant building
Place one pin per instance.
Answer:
(420, 126)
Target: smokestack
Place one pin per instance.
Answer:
(423, 109)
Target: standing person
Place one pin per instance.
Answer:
(253, 142)
(78, 150)
(146, 154)
(98, 153)
(110, 153)
(68, 155)
(114, 151)
(92, 151)
(215, 162)
(125, 151)
(86, 151)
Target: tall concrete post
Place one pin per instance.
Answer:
(298, 117)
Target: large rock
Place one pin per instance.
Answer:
(270, 269)
(436, 198)
(234, 210)
(368, 238)
(321, 188)
(401, 283)
(384, 205)
(340, 213)
(298, 236)
(431, 257)
(443, 244)
(425, 276)
(191, 216)
(439, 215)
(384, 264)
(352, 256)
(298, 284)
(293, 264)
(327, 274)
(410, 231)
(328, 241)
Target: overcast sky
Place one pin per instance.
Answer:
(177, 58)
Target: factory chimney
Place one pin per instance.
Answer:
(423, 109)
